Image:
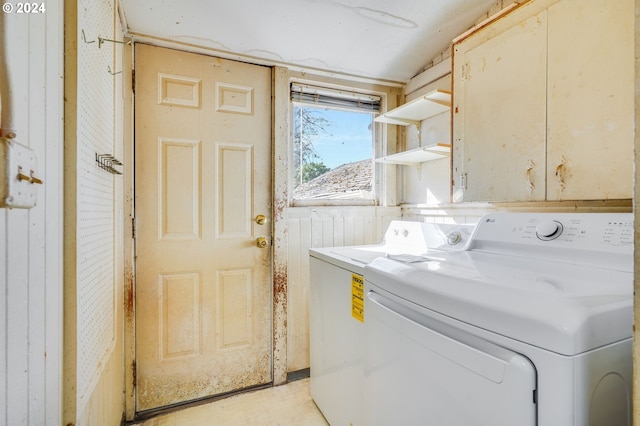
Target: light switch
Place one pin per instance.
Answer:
(19, 176)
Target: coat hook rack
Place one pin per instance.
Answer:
(102, 40)
(107, 161)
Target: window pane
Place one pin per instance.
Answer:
(332, 153)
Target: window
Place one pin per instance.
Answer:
(332, 145)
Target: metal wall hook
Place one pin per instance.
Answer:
(84, 38)
(111, 72)
(101, 40)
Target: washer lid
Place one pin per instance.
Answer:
(564, 308)
(406, 241)
(352, 258)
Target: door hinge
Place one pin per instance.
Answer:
(133, 81)
(133, 228)
(463, 181)
(134, 373)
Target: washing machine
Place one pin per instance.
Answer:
(337, 317)
(531, 325)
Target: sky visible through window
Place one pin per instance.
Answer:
(348, 138)
(330, 149)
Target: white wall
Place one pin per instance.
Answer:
(31, 55)
(428, 183)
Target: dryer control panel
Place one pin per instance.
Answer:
(557, 235)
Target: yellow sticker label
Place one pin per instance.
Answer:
(357, 297)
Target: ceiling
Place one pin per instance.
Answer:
(390, 40)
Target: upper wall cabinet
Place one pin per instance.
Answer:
(543, 104)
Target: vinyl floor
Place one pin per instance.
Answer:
(286, 405)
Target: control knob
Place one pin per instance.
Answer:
(549, 230)
(454, 238)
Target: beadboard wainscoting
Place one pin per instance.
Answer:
(312, 227)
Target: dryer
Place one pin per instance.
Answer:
(337, 320)
(532, 325)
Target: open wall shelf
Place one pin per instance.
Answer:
(413, 112)
(416, 156)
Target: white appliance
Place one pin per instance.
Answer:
(531, 325)
(336, 321)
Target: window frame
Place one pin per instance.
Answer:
(377, 141)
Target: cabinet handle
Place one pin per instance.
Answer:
(530, 184)
(560, 173)
(465, 71)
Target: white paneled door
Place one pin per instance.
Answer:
(203, 176)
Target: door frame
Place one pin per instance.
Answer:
(279, 150)
(129, 242)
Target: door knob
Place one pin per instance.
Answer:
(262, 242)
(261, 219)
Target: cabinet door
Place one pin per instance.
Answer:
(590, 100)
(499, 119)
